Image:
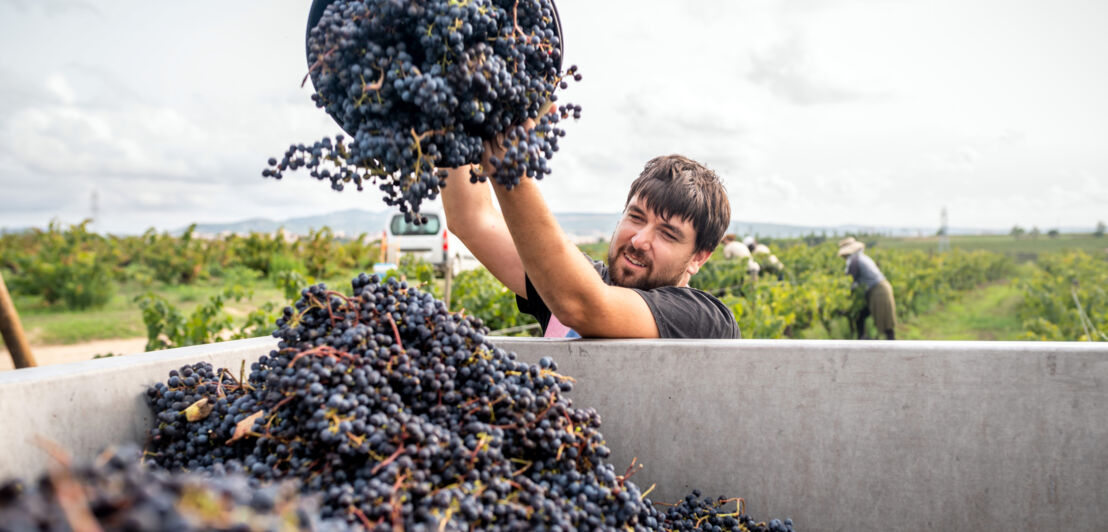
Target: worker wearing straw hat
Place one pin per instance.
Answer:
(879, 293)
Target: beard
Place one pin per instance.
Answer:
(648, 278)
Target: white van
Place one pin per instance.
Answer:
(430, 241)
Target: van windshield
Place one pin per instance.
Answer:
(399, 227)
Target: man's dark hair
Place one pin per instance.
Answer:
(674, 185)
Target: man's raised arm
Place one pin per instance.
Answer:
(563, 276)
(471, 216)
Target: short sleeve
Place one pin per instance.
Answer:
(683, 312)
(535, 306)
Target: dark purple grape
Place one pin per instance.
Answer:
(420, 86)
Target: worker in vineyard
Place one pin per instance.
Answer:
(734, 249)
(879, 293)
(674, 217)
(767, 261)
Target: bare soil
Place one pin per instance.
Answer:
(46, 355)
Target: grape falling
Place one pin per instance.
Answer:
(420, 86)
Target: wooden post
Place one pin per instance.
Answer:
(384, 247)
(12, 330)
(448, 277)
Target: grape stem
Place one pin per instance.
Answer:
(417, 144)
(519, 31)
(318, 64)
(394, 501)
(361, 517)
(75, 504)
(322, 350)
(631, 470)
(375, 86)
(396, 454)
(395, 331)
(317, 303)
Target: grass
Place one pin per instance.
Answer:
(122, 318)
(985, 313)
(1024, 249)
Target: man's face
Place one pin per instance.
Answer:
(648, 251)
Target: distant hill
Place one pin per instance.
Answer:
(582, 226)
(351, 222)
(785, 231)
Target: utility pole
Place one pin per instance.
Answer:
(944, 232)
(95, 207)
(12, 330)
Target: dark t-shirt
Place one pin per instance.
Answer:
(679, 311)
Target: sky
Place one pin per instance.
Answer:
(813, 112)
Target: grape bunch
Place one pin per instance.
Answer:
(117, 493)
(424, 85)
(696, 513)
(401, 415)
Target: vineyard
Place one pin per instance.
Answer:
(73, 285)
(812, 298)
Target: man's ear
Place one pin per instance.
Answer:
(698, 260)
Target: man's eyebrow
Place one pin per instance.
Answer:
(677, 232)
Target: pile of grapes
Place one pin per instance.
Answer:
(117, 493)
(400, 415)
(423, 85)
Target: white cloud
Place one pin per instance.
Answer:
(59, 87)
(784, 70)
(70, 140)
(170, 113)
(54, 7)
(962, 159)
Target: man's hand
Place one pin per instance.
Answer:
(494, 152)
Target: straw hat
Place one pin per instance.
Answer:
(747, 241)
(849, 246)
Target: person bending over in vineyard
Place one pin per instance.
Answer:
(675, 215)
(879, 293)
(733, 249)
(768, 262)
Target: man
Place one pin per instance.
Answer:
(674, 216)
(879, 293)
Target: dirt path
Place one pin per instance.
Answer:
(47, 355)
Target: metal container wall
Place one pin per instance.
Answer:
(837, 435)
